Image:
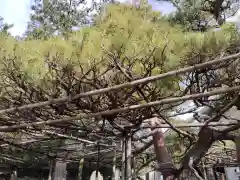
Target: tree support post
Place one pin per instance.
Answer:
(80, 169)
(98, 160)
(51, 169)
(114, 175)
(60, 171)
(237, 143)
(128, 154)
(164, 159)
(134, 172)
(123, 159)
(14, 175)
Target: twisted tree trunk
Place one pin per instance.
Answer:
(164, 159)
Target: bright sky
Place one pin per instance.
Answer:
(17, 12)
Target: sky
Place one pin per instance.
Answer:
(17, 12)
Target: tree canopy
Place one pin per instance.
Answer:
(124, 43)
(199, 15)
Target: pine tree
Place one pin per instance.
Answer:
(199, 15)
(56, 17)
(4, 27)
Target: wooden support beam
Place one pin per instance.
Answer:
(51, 169)
(123, 159)
(98, 161)
(128, 162)
(165, 164)
(114, 174)
(237, 143)
(80, 169)
(60, 171)
(134, 172)
(14, 175)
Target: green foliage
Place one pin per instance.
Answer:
(189, 15)
(4, 27)
(200, 15)
(138, 37)
(51, 17)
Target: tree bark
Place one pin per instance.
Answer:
(165, 164)
(207, 136)
(204, 142)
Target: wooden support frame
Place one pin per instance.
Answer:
(128, 159)
(51, 169)
(60, 171)
(237, 143)
(123, 159)
(14, 175)
(114, 174)
(80, 169)
(98, 160)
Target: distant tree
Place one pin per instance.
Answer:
(201, 14)
(4, 27)
(59, 17)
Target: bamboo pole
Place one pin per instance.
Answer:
(123, 109)
(60, 171)
(125, 85)
(80, 169)
(128, 154)
(98, 161)
(123, 159)
(51, 168)
(134, 172)
(237, 144)
(14, 175)
(114, 174)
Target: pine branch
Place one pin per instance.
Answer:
(124, 85)
(121, 110)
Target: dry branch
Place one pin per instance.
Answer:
(185, 125)
(124, 85)
(75, 138)
(121, 110)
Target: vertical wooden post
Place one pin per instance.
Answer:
(14, 175)
(51, 167)
(147, 176)
(128, 154)
(98, 160)
(60, 171)
(204, 170)
(123, 159)
(80, 169)
(237, 143)
(134, 173)
(164, 159)
(114, 175)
